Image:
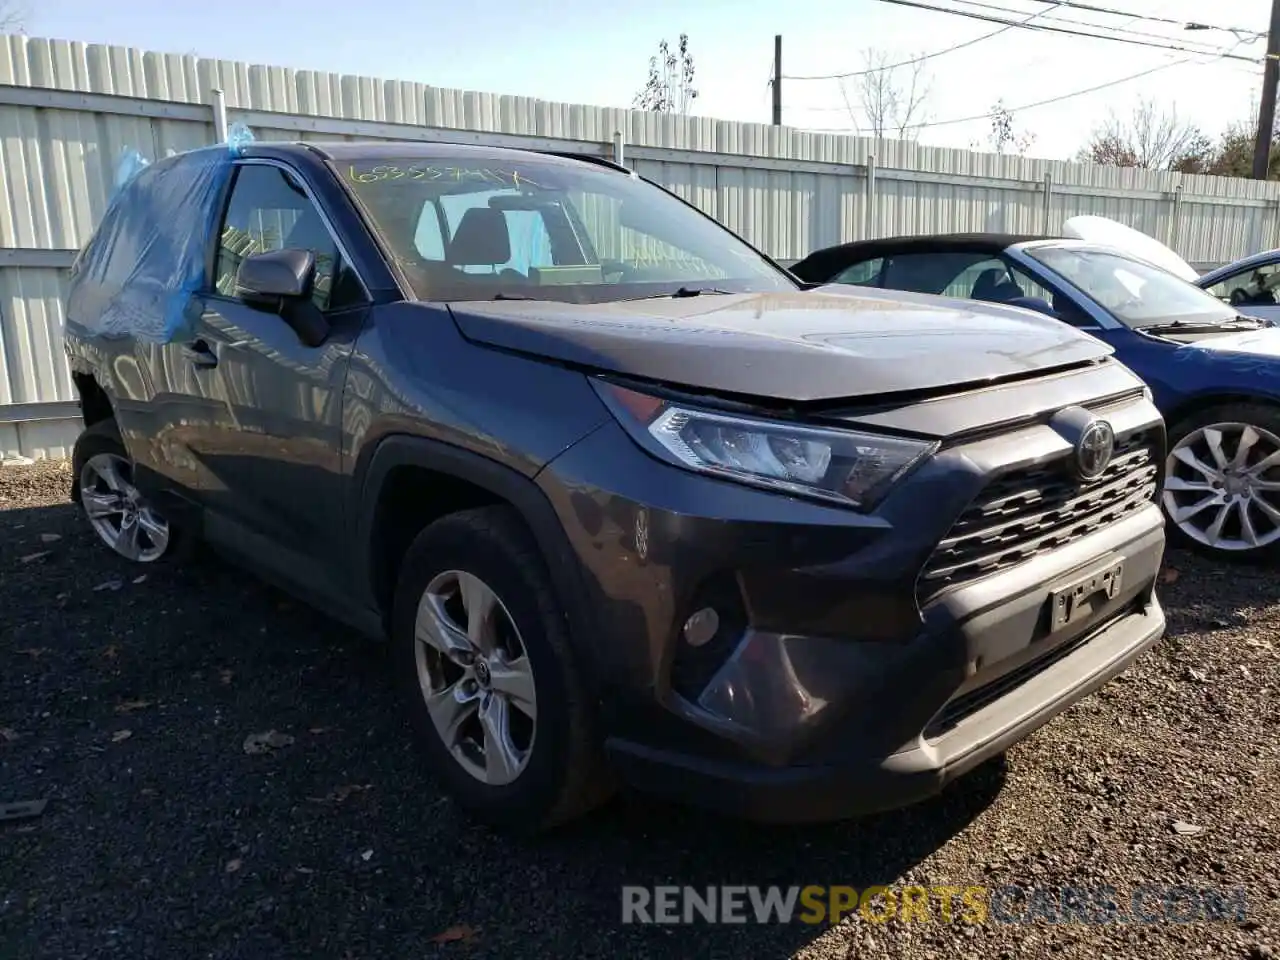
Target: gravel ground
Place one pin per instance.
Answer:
(126, 702)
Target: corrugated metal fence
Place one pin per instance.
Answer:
(68, 110)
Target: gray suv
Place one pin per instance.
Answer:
(629, 501)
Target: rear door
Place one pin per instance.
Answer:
(271, 453)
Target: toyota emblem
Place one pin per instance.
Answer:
(1094, 449)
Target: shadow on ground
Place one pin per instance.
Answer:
(126, 703)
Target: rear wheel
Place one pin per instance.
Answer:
(1222, 482)
(484, 661)
(118, 512)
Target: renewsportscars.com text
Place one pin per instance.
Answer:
(815, 904)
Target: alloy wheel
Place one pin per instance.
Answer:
(475, 675)
(118, 512)
(1222, 486)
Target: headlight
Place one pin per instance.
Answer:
(845, 466)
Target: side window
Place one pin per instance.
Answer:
(270, 211)
(1256, 287)
(1028, 286)
(981, 280)
(864, 274)
(939, 272)
(428, 238)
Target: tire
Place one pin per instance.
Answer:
(554, 770)
(1247, 489)
(95, 448)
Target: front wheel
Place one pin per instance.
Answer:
(1222, 482)
(484, 661)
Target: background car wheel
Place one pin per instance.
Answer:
(1222, 482)
(483, 656)
(118, 512)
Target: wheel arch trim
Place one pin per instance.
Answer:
(1198, 402)
(520, 491)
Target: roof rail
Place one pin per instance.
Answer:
(588, 158)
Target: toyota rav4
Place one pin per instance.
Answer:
(629, 502)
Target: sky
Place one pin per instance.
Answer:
(586, 51)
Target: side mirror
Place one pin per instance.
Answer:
(281, 280)
(276, 275)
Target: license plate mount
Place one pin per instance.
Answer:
(1081, 597)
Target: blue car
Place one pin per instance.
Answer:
(1213, 371)
(1250, 285)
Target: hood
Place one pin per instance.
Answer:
(824, 344)
(1254, 343)
(1110, 233)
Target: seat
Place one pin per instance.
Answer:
(986, 284)
(995, 286)
(481, 240)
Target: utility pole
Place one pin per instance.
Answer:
(1267, 109)
(777, 75)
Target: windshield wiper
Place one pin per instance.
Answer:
(511, 296)
(681, 292)
(697, 291)
(1233, 323)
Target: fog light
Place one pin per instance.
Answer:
(701, 626)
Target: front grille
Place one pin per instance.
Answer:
(1031, 511)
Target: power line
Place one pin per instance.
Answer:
(1149, 18)
(1045, 103)
(1086, 23)
(923, 57)
(995, 33)
(905, 63)
(1079, 93)
(848, 107)
(1038, 103)
(1064, 30)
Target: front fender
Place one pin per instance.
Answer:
(503, 482)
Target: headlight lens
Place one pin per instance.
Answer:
(846, 466)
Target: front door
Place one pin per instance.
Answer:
(270, 456)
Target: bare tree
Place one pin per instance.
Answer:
(893, 97)
(1004, 136)
(13, 16)
(669, 88)
(1150, 138)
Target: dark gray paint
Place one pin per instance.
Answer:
(282, 451)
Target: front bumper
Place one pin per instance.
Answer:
(823, 792)
(839, 694)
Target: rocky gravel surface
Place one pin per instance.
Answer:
(227, 777)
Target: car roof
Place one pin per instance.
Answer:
(1245, 263)
(831, 257)
(375, 150)
(934, 241)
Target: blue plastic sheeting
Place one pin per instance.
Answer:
(139, 274)
(239, 136)
(130, 165)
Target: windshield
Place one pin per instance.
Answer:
(1135, 293)
(479, 227)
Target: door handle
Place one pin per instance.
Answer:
(200, 354)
